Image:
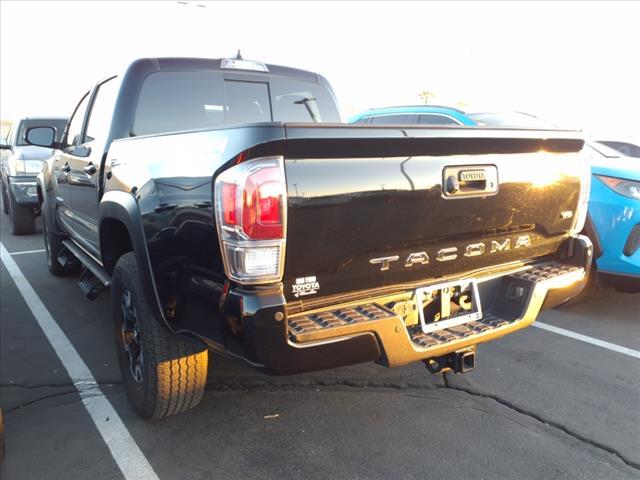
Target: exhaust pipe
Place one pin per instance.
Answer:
(461, 361)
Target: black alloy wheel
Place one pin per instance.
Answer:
(131, 338)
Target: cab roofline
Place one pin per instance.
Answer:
(169, 63)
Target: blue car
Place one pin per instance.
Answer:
(613, 222)
(420, 114)
(438, 115)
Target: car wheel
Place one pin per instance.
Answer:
(21, 218)
(5, 199)
(53, 247)
(162, 374)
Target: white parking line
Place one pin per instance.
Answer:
(24, 252)
(591, 340)
(126, 453)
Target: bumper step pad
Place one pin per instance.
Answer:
(546, 272)
(335, 322)
(371, 316)
(446, 335)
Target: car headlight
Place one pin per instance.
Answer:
(27, 167)
(622, 186)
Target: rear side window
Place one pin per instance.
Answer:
(399, 119)
(434, 119)
(171, 101)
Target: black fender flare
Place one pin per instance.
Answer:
(122, 206)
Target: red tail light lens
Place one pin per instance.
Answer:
(262, 204)
(251, 218)
(256, 204)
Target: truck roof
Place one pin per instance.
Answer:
(168, 63)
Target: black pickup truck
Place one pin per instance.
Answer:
(228, 210)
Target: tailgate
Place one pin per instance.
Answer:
(382, 208)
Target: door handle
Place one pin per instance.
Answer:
(470, 180)
(66, 168)
(90, 169)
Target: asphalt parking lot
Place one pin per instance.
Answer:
(538, 405)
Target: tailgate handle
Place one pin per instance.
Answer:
(470, 180)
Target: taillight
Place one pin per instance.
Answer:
(262, 204)
(251, 217)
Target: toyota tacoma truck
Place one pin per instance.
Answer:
(228, 210)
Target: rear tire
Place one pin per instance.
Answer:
(53, 247)
(22, 218)
(162, 374)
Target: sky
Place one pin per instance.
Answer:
(574, 64)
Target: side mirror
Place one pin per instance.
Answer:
(4, 145)
(41, 136)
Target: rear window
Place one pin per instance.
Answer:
(298, 101)
(184, 100)
(247, 102)
(58, 123)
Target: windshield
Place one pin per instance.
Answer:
(57, 123)
(509, 119)
(182, 100)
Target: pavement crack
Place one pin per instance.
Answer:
(252, 384)
(83, 389)
(39, 399)
(541, 419)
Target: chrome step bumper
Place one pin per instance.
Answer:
(403, 344)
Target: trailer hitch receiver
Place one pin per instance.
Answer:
(461, 361)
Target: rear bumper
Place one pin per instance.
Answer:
(372, 331)
(24, 190)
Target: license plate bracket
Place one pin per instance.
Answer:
(448, 304)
